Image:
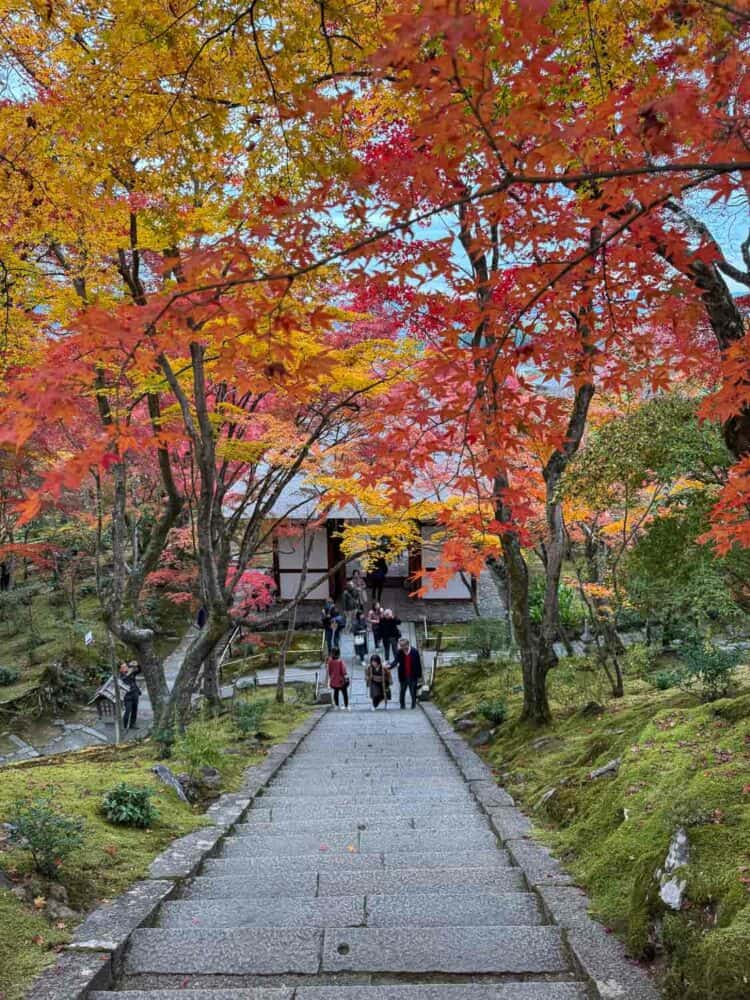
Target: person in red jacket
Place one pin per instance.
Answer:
(409, 664)
(338, 679)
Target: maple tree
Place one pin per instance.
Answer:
(509, 179)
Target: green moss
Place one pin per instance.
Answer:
(27, 944)
(682, 763)
(113, 856)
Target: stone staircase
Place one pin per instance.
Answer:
(365, 872)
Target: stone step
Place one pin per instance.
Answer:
(374, 804)
(248, 866)
(289, 809)
(400, 824)
(270, 951)
(450, 908)
(408, 880)
(453, 908)
(455, 950)
(255, 951)
(396, 991)
(324, 861)
(341, 911)
(365, 842)
(251, 886)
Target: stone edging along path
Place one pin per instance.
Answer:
(599, 955)
(90, 961)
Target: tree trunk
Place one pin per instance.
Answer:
(211, 689)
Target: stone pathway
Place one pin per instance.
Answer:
(365, 872)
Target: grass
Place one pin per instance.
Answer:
(683, 764)
(113, 856)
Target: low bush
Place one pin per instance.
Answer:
(494, 710)
(486, 635)
(640, 659)
(49, 835)
(129, 805)
(708, 667)
(8, 676)
(198, 747)
(664, 680)
(248, 716)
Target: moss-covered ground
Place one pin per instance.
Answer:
(683, 764)
(113, 856)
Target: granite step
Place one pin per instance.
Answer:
(362, 841)
(450, 908)
(360, 811)
(333, 828)
(398, 880)
(395, 991)
(249, 865)
(270, 951)
(342, 911)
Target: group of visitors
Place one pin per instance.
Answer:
(407, 663)
(383, 626)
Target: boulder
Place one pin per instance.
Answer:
(611, 767)
(672, 888)
(164, 774)
(482, 737)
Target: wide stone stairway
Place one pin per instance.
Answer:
(365, 872)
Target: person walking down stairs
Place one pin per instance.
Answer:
(338, 678)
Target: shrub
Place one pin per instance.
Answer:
(199, 746)
(663, 681)
(487, 634)
(639, 659)
(8, 676)
(708, 666)
(248, 716)
(572, 608)
(49, 835)
(494, 710)
(128, 805)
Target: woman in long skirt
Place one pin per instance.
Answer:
(378, 680)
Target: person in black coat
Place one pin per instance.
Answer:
(409, 665)
(389, 633)
(128, 674)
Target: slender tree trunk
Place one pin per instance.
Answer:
(211, 689)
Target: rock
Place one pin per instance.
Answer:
(163, 773)
(58, 911)
(210, 778)
(243, 683)
(20, 892)
(57, 892)
(591, 709)
(5, 882)
(547, 743)
(612, 767)
(672, 889)
(462, 725)
(549, 794)
(482, 737)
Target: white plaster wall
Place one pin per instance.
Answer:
(455, 589)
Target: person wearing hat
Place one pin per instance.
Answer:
(409, 665)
